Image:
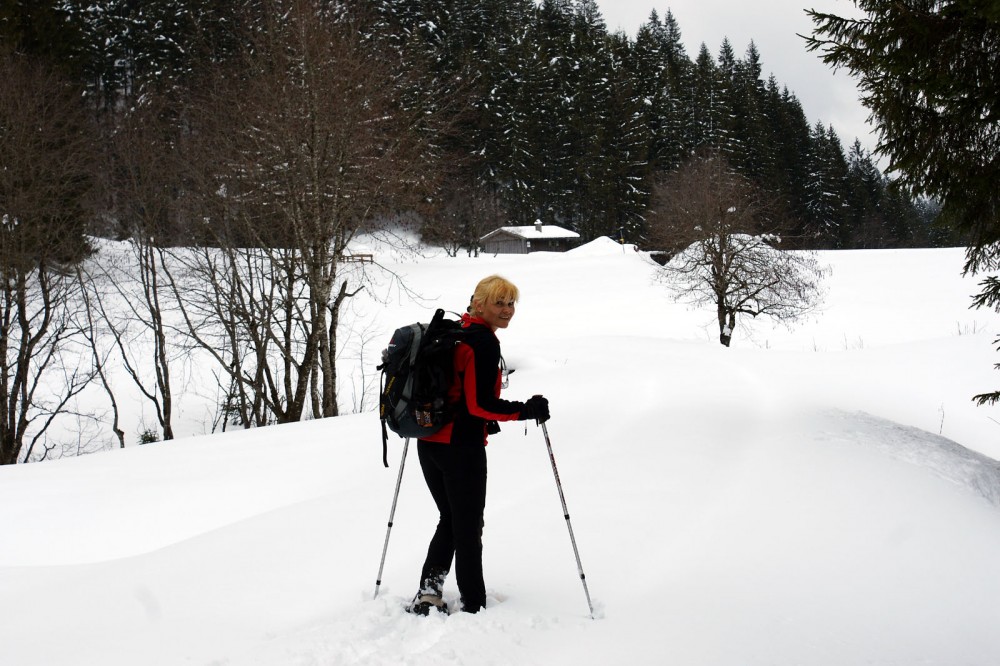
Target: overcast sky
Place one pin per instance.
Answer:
(774, 26)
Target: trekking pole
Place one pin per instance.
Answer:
(392, 513)
(569, 525)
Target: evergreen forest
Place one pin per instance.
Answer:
(539, 113)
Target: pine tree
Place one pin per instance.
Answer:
(789, 134)
(752, 153)
(627, 171)
(733, 146)
(49, 30)
(825, 188)
(928, 72)
(548, 89)
(157, 46)
(500, 145)
(660, 73)
(509, 109)
(708, 112)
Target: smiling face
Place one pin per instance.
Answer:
(496, 313)
(493, 301)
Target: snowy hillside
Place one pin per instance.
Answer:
(821, 495)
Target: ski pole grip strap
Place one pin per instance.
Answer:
(385, 446)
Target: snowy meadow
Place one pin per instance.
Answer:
(821, 495)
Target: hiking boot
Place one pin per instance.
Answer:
(422, 604)
(472, 607)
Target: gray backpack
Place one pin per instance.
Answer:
(417, 369)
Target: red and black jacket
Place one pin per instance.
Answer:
(475, 387)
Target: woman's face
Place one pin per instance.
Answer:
(496, 314)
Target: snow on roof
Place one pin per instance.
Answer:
(535, 231)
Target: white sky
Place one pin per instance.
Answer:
(774, 27)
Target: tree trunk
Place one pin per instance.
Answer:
(330, 407)
(727, 321)
(10, 448)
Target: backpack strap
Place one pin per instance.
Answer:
(385, 446)
(385, 435)
(418, 332)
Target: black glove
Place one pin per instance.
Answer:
(537, 408)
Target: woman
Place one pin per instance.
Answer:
(453, 460)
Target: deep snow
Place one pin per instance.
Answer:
(821, 495)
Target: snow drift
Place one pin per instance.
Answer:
(821, 495)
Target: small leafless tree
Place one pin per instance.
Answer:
(131, 302)
(93, 334)
(243, 306)
(361, 344)
(724, 233)
(47, 152)
(466, 211)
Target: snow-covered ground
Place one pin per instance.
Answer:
(821, 495)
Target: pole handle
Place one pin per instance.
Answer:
(537, 422)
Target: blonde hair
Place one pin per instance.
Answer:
(493, 288)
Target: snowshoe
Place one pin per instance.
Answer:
(422, 604)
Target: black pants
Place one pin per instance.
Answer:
(456, 476)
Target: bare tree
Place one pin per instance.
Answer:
(363, 346)
(244, 308)
(46, 163)
(312, 138)
(724, 233)
(92, 334)
(467, 211)
(133, 300)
